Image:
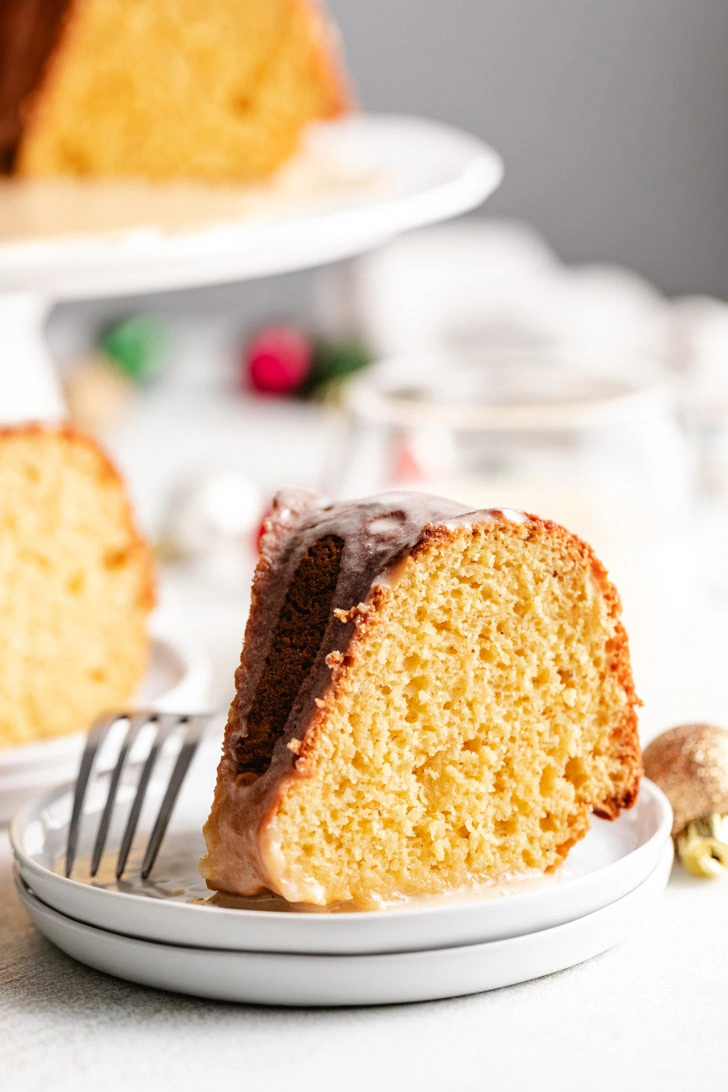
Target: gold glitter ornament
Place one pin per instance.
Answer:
(690, 764)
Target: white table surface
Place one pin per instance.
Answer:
(652, 1013)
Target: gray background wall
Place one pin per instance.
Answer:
(611, 115)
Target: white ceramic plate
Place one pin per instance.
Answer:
(279, 979)
(174, 907)
(357, 182)
(177, 680)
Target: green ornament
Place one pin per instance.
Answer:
(334, 361)
(138, 347)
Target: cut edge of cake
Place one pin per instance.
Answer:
(89, 643)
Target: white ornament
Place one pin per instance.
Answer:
(213, 515)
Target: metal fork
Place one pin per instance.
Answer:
(189, 727)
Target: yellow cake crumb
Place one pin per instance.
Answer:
(75, 586)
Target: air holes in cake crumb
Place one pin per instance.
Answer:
(359, 762)
(240, 103)
(114, 559)
(414, 711)
(76, 583)
(575, 772)
(499, 782)
(548, 780)
(297, 637)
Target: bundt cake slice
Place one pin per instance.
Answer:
(163, 89)
(428, 698)
(75, 586)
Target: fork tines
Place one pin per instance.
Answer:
(189, 729)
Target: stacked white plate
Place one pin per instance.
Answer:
(170, 934)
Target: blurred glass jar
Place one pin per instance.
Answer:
(701, 339)
(604, 456)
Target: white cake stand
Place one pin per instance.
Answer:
(356, 184)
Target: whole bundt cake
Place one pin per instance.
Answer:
(428, 698)
(162, 88)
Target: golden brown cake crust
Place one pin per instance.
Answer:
(288, 751)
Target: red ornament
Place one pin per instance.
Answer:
(278, 360)
(262, 526)
(259, 535)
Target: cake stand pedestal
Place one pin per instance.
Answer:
(356, 184)
(29, 386)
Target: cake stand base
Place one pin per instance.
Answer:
(29, 386)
